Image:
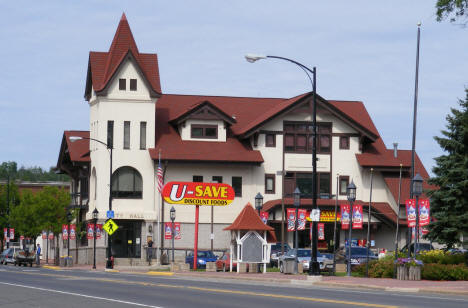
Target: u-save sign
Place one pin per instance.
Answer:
(191, 193)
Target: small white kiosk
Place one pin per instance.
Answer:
(249, 239)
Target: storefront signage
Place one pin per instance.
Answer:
(329, 216)
(191, 193)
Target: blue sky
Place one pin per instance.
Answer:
(363, 50)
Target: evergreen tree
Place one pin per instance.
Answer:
(449, 201)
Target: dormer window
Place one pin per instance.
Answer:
(133, 84)
(204, 131)
(122, 84)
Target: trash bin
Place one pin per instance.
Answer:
(289, 265)
(164, 259)
(63, 261)
(69, 261)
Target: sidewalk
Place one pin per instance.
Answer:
(384, 284)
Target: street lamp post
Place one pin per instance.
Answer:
(173, 230)
(258, 202)
(417, 191)
(314, 267)
(109, 264)
(351, 194)
(95, 218)
(8, 210)
(297, 203)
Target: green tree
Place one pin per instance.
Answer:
(26, 217)
(449, 201)
(32, 174)
(9, 198)
(453, 9)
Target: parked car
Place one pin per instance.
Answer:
(304, 257)
(223, 263)
(358, 255)
(8, 256)
(275, 252)
(203, 256)
(24, 257)
(421, 247)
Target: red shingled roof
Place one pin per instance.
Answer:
(248, 219)
(103, 65)
(79, 149)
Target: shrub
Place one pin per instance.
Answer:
(377, 269)
(441, 257)
(436, 271)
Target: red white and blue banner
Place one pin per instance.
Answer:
(411, 212)
(291, 215)
(72, 232)
(44, 234)
(167, 230)
(301, 220)
(51, 235)
(177, 231)
(264, 217)
(98, 231)
(5, 233)
(345, 216)
(321, 231)
(90, 231)
(12, 234)
(424, 210)
(357, 216)
(65, 232)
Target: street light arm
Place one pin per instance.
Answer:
(88, 138)
(292, 61)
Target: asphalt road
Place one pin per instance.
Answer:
(39, 287)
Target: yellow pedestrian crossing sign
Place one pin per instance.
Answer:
(110, 226)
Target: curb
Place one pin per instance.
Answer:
(154, 273)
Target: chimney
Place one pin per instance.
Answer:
(395, 149)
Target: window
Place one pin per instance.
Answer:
(110, 134)
(204, 131)
(299, 138)
(344, 182)
(270, 140)
(126, 135)
(198, 178)
(142, 135)
(344, 142)
(269, 183)
(133, 84)
(217, 179)
(237, 185)
(122, 84)
(127, 183)
(303, 181)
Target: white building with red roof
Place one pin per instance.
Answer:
(253, 144)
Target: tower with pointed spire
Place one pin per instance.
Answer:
(122, 89)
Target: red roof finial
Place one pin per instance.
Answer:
(123, 17)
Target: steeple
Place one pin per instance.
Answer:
(123, 42)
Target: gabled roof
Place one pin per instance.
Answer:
(203, 110)
(102, 66)
(248, 219)
(75, 152)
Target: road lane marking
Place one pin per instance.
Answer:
(310, 299)
(81, 295)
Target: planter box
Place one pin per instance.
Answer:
(409, 273)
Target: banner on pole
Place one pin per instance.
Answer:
(411, 212)
(344, 216)
(321, 231)
(167, 230)
(424, 209)
(73, 232)
(65, 232)
(98, 231)
(291, 214)
(44, 234)
(51, 235)
(12, 234)
(301, 220)
(264, 217)
(90, 231)
(357, 216)
(177, 232)
(5, 233)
